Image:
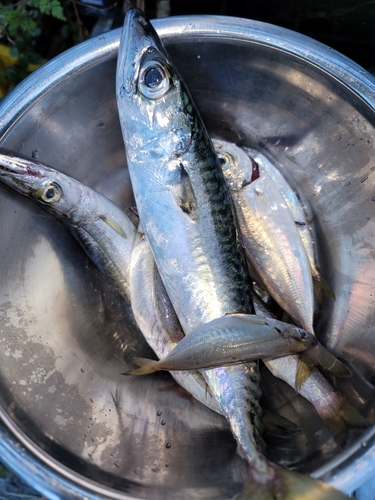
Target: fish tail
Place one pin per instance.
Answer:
(285, 484)
(321, 288)
(346, 417)
(320, 357)
(146, 366)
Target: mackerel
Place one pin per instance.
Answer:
(187, 216)
(274, 247)
(302, 214)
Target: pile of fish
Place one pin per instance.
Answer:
(218, 239)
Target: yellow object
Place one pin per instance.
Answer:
(6, 60)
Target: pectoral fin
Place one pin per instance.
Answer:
(321, 357)
(321, 287)
(113, 224)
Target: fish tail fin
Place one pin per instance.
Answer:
(321, 287)
(320, 357)
(285, 484)
(145, 365)
(351, 416)
(342, 417)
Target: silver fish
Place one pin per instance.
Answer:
(232, 339)
(102, 229)
(109, 238)
(187, 216)
(274, 247)
(302, 215)
(270, 237)
(337, 414)
(157, 320)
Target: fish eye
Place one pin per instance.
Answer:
(153, 77)
(222, 160)
(303, 335)
(153, 80)
(51, 193)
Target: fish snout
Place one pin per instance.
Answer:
(19, 173)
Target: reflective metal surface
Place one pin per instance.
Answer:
(65, 333)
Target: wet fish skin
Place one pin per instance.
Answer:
(274, 248)
(269, 235)
(302, 215)
(187, 216)
(337, 414)
(103, 230)
(232, 339)
(177, 182)
(157, 319)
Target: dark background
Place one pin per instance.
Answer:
(345, 25)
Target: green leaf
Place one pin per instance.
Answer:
(50, 7)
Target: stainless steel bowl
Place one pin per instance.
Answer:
(73, 427)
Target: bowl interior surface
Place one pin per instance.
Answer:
(66, 335)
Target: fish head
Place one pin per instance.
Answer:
(239, 168)
(154, 105)
(304, 339)
(57, 192)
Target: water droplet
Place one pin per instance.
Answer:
(167, 465)
(155, 469)
(122, 91)
(168, 445)
(91, 400)
(101, 125)
(364, 179)
(136, 471)
(367, 218)
(373, 199)
(241, 135)
(82, 370)
(198, 57)
(158, 413)
(35, 153)
(347, 184)
(163, 422)
(116, 465)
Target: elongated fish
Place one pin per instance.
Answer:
(157, 319)
(274, 247)
(99, 225)
(158, 322)
(187, 216)
(231, 339)
(337, 414)
(109, 238)
(301, 213)
(101, 229)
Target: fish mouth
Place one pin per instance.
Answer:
(17, 172)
